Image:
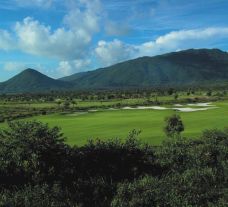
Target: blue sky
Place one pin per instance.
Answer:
(62, 37)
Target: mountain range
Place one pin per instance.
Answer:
(184, 68)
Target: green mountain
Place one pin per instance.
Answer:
(184, 68)
(32, 81)
(189, 67)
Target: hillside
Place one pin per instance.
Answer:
(189, 67)
(185, 68)
(32, 81)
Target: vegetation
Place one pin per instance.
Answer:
(173, 126)
(37, 168)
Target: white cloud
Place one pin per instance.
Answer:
(115, 51)
(84, 16)
(6, 40)
(70, 44)
(112, 52)
(14, 66)
(65, 68)
(69, 67)
(183, 39)
(38, 39)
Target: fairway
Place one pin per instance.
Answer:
(80, 127)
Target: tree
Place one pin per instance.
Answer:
(58, 102)
(175, 96)
(209, 93)
(31, 151)
(74, 103)
(1, 119)
(173, 126)
(170, 91)
(39, 195)
(66, 105)
(194, 187)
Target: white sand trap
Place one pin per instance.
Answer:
(77, 114)
(178, 105)
(146, 107)
(112, 109)
(182, 109)
(152, 107)
(194, 109)
(201, 104)
(128, 108)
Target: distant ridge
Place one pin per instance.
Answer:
(192, 67)
(188, 67)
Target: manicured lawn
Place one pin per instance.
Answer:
(78, 128)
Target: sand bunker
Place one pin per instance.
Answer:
(194, 109)
(201, 104)
(112, 109)
(128, 108)
(178, 105)
(202, 107)
(146, 107)
(152, 107)
(77, 114)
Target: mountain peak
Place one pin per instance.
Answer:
(30, 70)
(31, 80)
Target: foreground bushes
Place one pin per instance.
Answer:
(33, 196)
(192, 188)
(38, 169)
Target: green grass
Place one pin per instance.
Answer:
(111, 124)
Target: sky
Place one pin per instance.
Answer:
(63, 37)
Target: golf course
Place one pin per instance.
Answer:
(79, 127)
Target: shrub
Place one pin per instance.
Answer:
(30, 152)
(1, 119)
(34, 196)
(173, 125)
(195, 187)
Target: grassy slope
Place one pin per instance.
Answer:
(111, 124)
(176, 69)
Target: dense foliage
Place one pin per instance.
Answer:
(38, 169)
(173, 125)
